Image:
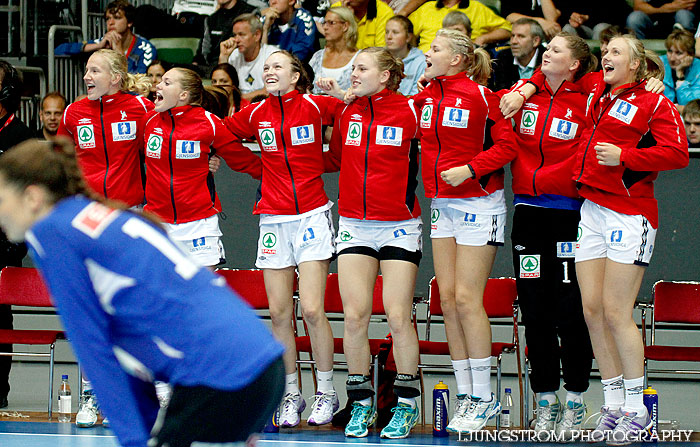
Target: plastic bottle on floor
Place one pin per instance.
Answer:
(64, 400)
(507, 410)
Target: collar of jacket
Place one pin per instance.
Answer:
(630, 86)
(455, 77)
(275, 100)
(568, 85)
(364, 100)
(181, 110)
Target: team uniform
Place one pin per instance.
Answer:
(460, 119)
(119, 284)
(372, 145)
(620, 215)
(107, 136)
(295, 218)
(179, 186)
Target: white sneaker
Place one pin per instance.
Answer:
(324, 407)
(105, 422)
(87, 411)
(292, 406)
(476, 416)
(572, 420)
(163, 392)
(461, 407)
(548, 416)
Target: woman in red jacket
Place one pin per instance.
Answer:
(459, 119)
(296, 230)
(380, 227)
(180, 137)
(107, 125)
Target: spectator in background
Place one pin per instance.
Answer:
(291, 29)
(487, 27)
(12, 131)
(655, 18)
(524, 55)
(544, 11)
(52, 106)
(217, 28)
(371, 17)
(691, 120)
(458, 21)
(155, 74)
(399, 39)
(119, 37)
(587, 19)
(336, 58)
(226, 77)
(246, 52)
(606, 36)
(681, 69)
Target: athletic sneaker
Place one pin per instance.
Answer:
(572, 420)
(477, 415)
(324, 407)
(461, 407)
(548, 415)
(361, 417)
(606, 423)
(404, 419)
(87, 410)
(631, 428)
(292, 406)
(163, 393)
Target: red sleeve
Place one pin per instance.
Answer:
(331, 158)
(329, 107)
(64, 127)
(671, 149)
(504, 147)
(239, 124)
(237, 156)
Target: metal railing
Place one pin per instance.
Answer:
(65, 72)
(29, 106)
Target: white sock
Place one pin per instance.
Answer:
(574, 397)
(162, 389)
(463, 374)
(324, 380)
(291, 385)
(613, 392)
(549, 396)
(87, 386)
(634, 397)
(408, 401)
(481, 375)
(366, 402)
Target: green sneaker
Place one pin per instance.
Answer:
(404, 419)
(361, 417)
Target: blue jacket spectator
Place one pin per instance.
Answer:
(289, 28)
(413, 68)
(681, 68)
(139, 56)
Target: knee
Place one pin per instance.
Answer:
(355, 322)
(281, 316)
(468, 302)
(592, 313)
(685, 18)
(616, 319)
(637, 19)
(313, 314)
(399, 322)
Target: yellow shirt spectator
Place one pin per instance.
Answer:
(370, 33)
(428, 19)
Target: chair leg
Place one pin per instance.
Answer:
(375, 374)
(526, 395)
(51, 364)
(646, 378)
(498, 389)
(520, 385)
(422, 396)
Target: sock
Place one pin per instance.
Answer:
(291, 385)
(324, 379)
(549, 396)
(634, 398)
(162, 389)
(481, 374)
(463, 374)
(408, 401)
(366, 402)
(613, 392)
(572, 396)
(87, 386)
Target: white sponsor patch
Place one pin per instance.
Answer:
(154, 145)
(562, 129)
(426, 116)
(354, 135)
(528, 121)
(566, 249)
(186, 149)
(268, 140)
(623, 111)
(389, 135)
(454, 117)
(94, 218)
(530, 266)
(86, 136)
(302, 134)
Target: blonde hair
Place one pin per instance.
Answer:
(650, 64)
(477, 62)
(347, 16)
(387, 61)
(137, 83)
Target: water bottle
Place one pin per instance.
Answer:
(441, 402)
(64, 400)
(273, 423)
(651, 401)
(507, 409)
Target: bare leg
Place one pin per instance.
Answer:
(399, 281)
(312, 287)
(278, 285)
(444, 261)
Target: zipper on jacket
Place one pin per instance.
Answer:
(170, 159)
(104, 146)
(595, 127)
(364, 183)
(437, 137)
(544, 129)
(286, 158)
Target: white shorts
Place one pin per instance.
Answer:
(623, 238)
(374, 238)
(467, 228)
(287, 244)
(200, 239)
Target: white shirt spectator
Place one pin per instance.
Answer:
(250, 74)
